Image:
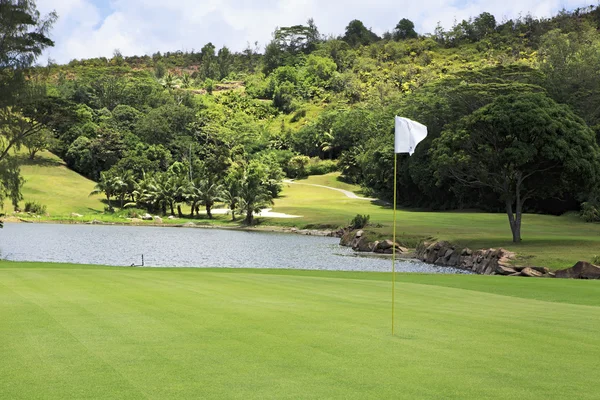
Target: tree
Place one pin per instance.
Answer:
(405, 29)
(520, 147)
(254, 194)
(107, 185)
(37, 142)
(357, 34)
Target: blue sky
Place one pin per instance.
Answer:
(92, 28)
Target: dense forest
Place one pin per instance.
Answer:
(512, 108)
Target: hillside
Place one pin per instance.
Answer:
(49, 182)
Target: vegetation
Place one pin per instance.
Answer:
(197, 332)
(179, 128)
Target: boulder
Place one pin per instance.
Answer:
(135, 220)
(147, 217)
(503, 270)
(527, 271)
(172, 217)
(158, 219)
(362, 244)
(542, 270)
(581, 270)
(385, 244)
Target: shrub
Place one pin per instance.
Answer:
(321, 167)
(360, 221)
(590, 211)
(35, 208)
(297, 166)
(596, 260)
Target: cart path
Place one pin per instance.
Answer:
(346, 192)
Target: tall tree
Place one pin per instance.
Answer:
(23, 37)
(521, 147)
(405, 29)
(358, 34)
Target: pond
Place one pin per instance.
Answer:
(188, 247)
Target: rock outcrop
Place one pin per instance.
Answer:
(484, 262)
(359, 242)
(581, 270)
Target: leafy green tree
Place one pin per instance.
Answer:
(209, 67)
(37, 142)
(225, 60)
(520, 147)
(405, 29)
(357, 34)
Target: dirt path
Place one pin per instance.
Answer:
(346, 192)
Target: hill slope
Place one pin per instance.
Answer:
(48, 181)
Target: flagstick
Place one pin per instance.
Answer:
(394, 243)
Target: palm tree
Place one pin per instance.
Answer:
(230, 197)
(168, 81)
(210, 193)
(105, 185)
(186, 80)
(193, 195)
(253, 198)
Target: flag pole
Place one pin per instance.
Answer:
(394, 242)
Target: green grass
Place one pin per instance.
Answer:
(48, 181)
(73, 331)
(556, 242)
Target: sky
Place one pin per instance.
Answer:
(95, 28)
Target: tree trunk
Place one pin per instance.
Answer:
(172, 209)
(208, 206)
(32, 154)
(108, 199)
(193, 206)
(164, 209)
(249, 217)
(514, 219)
(179, 211)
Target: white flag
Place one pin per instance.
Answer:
(409, 134)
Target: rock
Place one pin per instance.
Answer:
(503, 270)
(466, 252)
(135, 220)
(359, 234)
(158, 219)
(189, 224)
(76, 215)
(527, 271)
(95, 222)
(516, 274)
(542, 270)
(362, 244)
(581, 270)
(147, 217)
(385, 244)
(172, 217)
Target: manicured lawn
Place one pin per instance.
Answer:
(556, 242)
(72, 331)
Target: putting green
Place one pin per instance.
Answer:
(98, 332)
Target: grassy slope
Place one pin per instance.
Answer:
(50, 182)
(557, 242)
(95, 332)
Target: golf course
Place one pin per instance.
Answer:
(73, 331)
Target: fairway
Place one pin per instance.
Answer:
(71, 331)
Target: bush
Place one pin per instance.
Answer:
(596, 260)
(297, 166)
(321, 167)
(35, 208)
(360, 221)
(590, 211)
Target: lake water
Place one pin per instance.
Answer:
(188, 247)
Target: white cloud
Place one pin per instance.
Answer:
(92, 28)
